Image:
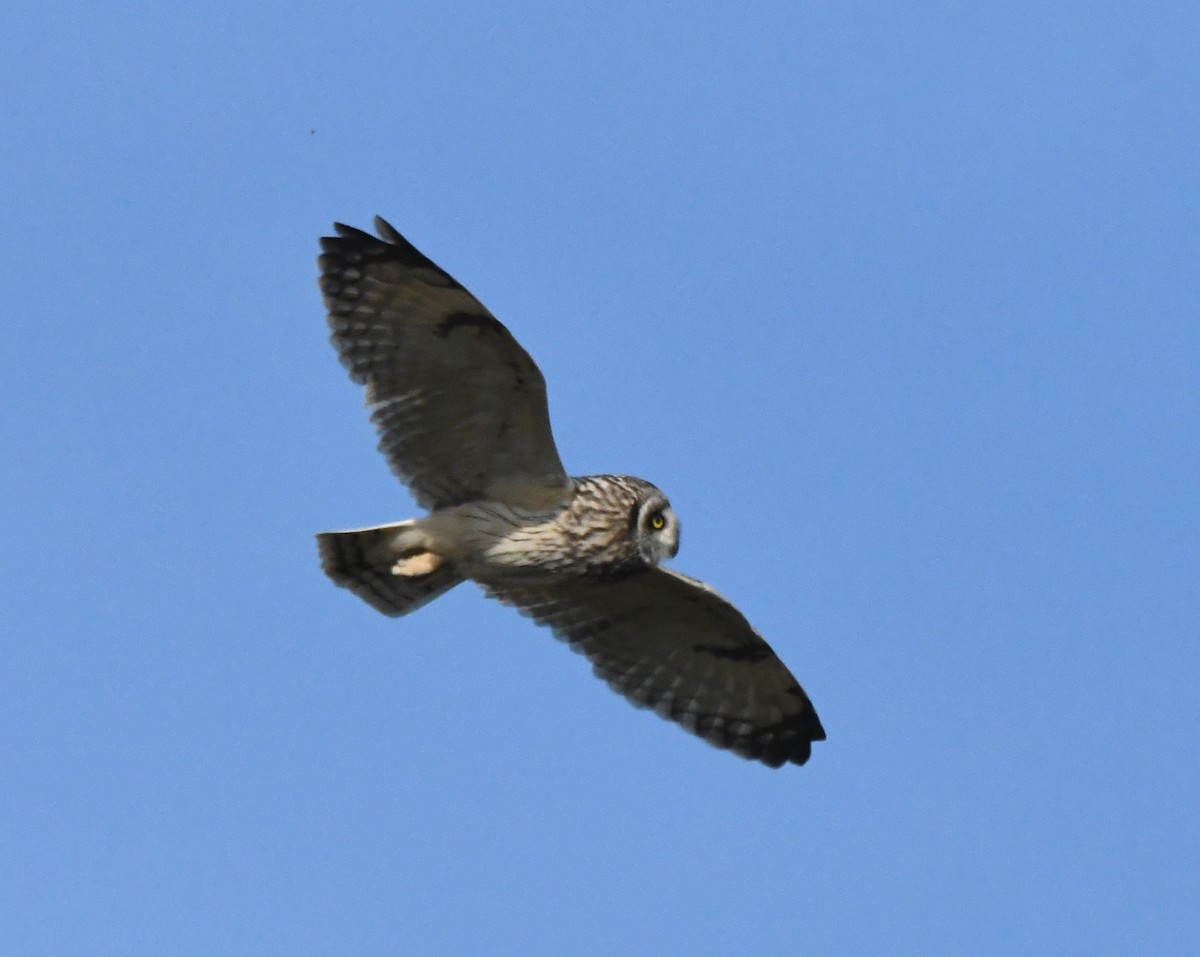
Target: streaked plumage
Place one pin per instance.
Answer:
(462, 416)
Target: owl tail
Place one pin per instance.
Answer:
(365, 561)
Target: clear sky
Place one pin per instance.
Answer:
(897, 302)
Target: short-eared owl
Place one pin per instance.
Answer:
(461, 412)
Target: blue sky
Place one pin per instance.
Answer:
(898, 303)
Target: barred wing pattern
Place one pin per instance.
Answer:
(673, 644)
(458, 404)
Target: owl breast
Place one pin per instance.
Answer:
(496, 541)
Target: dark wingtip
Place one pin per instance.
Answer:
(388, 232)
(800, 753)
(796, 747)
(816, 731)
(353, 232)
(389, 244)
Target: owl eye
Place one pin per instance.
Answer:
(657, 521)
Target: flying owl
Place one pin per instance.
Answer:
(462, 416)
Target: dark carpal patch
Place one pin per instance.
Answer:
(457, 320)
(519, 380)
(747, 653)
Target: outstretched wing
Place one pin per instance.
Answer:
(459, 405)
(671, 643)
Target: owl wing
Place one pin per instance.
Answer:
(673, 644)
(459, 405)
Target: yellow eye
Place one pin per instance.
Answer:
(657, 522)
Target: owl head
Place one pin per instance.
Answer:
(655, 527)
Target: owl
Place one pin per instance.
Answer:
(463, 421)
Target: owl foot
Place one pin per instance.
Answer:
(417, 565)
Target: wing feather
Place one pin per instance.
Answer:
(458, 404)
(673, 644)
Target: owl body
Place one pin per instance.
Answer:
(603, 525)
(463, 421)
